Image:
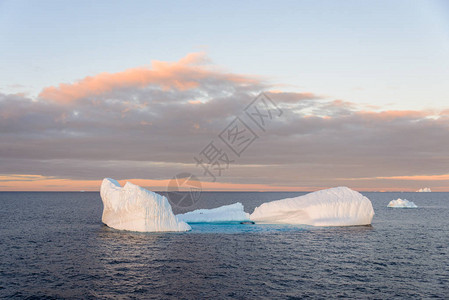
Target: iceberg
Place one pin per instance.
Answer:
(228, 213)
(402, 203)
(136, 209)
(339, 206)
(424, 190)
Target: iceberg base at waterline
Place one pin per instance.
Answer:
(134, 208)
(401, 203)
(227, 213)
(339, 206)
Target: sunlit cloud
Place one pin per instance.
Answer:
(390, 115)
(22, 177)
(42, 183)
(187, 73)
(443, 177)
(149, 123)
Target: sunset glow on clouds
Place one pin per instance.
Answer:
(40, 183)
(146, 124)
(188, 73)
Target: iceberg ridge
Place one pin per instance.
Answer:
(339, 206)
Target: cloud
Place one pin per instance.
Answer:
(188, 73)
(153, 131)
(443, 177)
(290, 97)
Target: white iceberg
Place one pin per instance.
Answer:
(137, 209)
(339, 206)
(424, 190)
(402, 203)
(228, 213)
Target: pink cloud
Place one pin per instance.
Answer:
(291, 97)
(187, 73)
(389, 115)
(26, 182)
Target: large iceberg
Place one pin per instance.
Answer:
(339, 206)
(424, 190)
(228, 213)
(401, 203)
(137, 209)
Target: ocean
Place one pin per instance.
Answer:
(53, 245)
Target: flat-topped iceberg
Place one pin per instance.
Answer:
(339, 206)
(424, 190)
(402, 203)
(136, 209)
(228, 213)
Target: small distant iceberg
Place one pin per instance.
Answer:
(339, 206)
(424, 190)
(402, 203)
(228, 213)
(134, 208)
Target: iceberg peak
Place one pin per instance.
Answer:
(136, 209)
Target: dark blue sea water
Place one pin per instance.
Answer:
(53, 245)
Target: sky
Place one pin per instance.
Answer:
(351, 93)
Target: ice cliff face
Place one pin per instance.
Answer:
(339, 206)
(136, 209)
(424, 190)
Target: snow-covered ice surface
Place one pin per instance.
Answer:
(424, 190)
(402, 203)
(136, 209)
(339, 206)
(227, 213)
